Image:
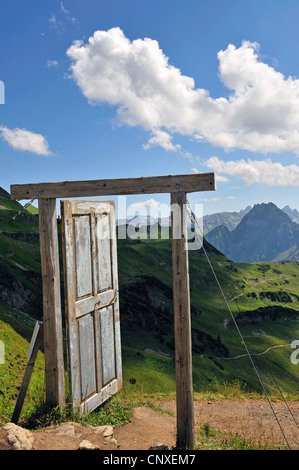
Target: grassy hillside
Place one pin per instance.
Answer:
(16, 348)
(264, 298)
(146, 309)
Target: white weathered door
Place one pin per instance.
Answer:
(92, 307)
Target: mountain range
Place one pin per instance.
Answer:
(260, 233)
(292, 213)
(265, 233)
(209, 222)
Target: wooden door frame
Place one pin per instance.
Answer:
(46, 193)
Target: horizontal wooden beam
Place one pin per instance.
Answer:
(115, 187)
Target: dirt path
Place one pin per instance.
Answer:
(252, 419)
(147, 429)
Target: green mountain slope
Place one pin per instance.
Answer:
(146, 312)
(20, 283)
(11, 373)
(146, 308)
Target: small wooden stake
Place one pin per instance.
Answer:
(53, 342)
(32, 354)
(182, 326)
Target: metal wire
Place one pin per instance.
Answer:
(196, 223)
(275, 382)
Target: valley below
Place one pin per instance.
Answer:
(264, 302)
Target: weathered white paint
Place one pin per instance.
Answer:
(92, 310)
(83, 256)
(104, 252)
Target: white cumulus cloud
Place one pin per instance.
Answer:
(213, 199)
(219, 178)
(23, 140)
(162, 139)
(148, 203)
(260, 114)
(51, 63)
(255, 171)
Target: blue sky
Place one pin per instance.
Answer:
(98, 89)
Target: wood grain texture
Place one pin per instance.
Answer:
(91, 295)
(182, 327)
(114, 187)
(53, 340)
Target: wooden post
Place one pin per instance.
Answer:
(182, 325)
(53, 342)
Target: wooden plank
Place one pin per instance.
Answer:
(122, 186)
(36, 336)
(108, 343)
(86, 354)
(182, 326)
(117, 335)
(88, 304)
(104, 252)
(53, 341)
(95, 400)
(32, 354)
(82, 256)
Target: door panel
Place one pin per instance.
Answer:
(83, 256)
(104, 253)
(108, 349)
(92, 307)
(87, 356)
